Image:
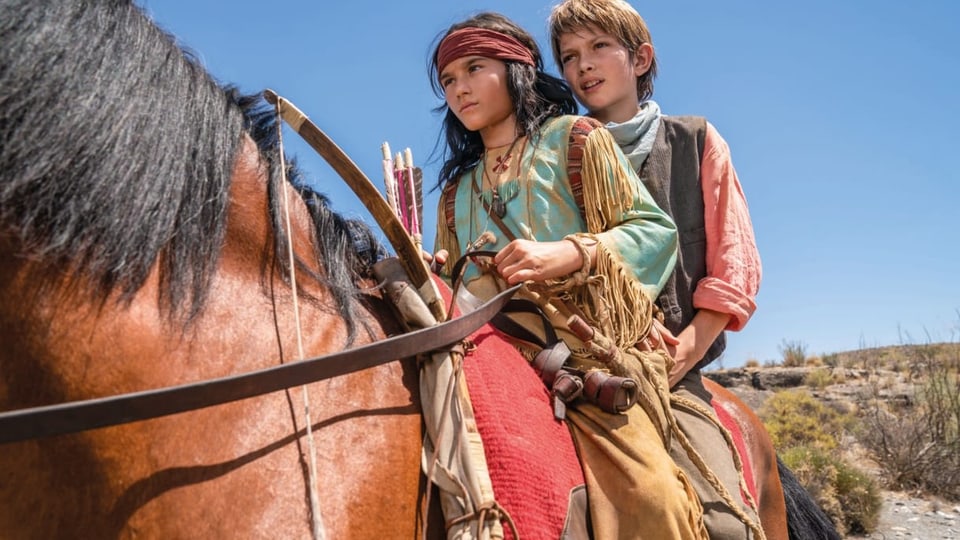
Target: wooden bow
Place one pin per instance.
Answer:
(408, 252)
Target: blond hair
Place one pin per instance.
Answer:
(615, 17)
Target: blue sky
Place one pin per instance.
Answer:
(841, 120)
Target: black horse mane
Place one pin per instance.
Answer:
(349, 245)
(117, 149)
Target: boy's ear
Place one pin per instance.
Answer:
(642, 58)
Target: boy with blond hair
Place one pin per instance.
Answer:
(605, 52)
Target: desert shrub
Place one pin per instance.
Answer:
(818, 477)
(860, 497)
(894, 359)
(795, 418)
(751, 363)
(813, 361)
(819, 379)
(917, 443)
(832, 360)
(850, 498)
(794, 353)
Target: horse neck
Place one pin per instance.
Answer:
(248, 320)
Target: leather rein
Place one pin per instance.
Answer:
(76, 416)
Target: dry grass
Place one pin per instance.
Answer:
(904, 404)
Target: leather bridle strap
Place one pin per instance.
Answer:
(77, 416)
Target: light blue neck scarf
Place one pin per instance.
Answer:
(636, 135)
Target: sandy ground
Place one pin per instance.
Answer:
(913, 517)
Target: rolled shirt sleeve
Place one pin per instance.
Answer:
(732, 260)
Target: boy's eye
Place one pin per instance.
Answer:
(600, 44)
(566, 58)
(445, 82)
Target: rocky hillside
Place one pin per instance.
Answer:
(844, 380)
(849, 382)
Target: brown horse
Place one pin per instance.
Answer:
(141, 213)
(761, 458)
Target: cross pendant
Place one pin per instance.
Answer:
(503, 162)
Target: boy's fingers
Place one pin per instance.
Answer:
(438, 260)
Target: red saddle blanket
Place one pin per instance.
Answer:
(532, 460)
(533, 463)
(737, 435)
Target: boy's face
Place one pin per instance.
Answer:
(602, 72)
(475, 88)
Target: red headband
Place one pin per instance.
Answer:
(473, 41)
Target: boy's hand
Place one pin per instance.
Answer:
(694, 340)
(683, 354)
(436, 261)
(527, 260)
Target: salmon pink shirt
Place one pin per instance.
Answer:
(733, 263)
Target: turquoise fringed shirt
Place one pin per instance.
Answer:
(540, 206)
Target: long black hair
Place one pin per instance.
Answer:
(536, 95)
(117, 150)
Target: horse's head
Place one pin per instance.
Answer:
(141, 228)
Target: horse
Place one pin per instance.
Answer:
(143, 226)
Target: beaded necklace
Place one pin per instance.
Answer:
(502, 193)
